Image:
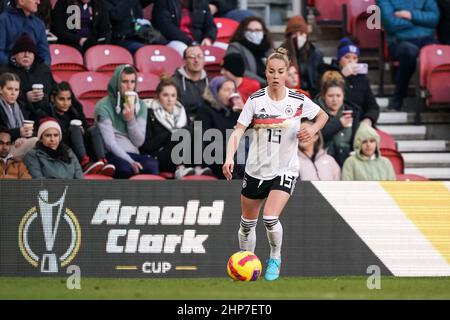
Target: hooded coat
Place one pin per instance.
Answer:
(359, 167)
(120, 137)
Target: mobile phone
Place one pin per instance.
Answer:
(363, 68)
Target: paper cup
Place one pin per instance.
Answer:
(130, 98)
(28, 123)
(76, 122)
(38, 86)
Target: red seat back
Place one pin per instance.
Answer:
(429, 58)
(89, 87)
(146, 85)
(66, 61)
(198, 177)
(411, 177)
(386, 140)
(157, 59)
(329, 11)
(213, 60)
(225, 29)
(396, 159)
(97, 177)
(106, 57)
(146, 177)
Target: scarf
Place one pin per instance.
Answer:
(61, 153)
(171, 121)
(14, 114)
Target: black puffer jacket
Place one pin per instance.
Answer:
(224, 6)
(167, 17)
(443, 27)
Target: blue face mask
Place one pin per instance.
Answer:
(255, 37)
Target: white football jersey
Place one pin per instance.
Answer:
(274, 143)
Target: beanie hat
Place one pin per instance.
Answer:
(234, 63)
(346, 46)
(23, 43)
(296, 24)
(215, 85)
(48, 123)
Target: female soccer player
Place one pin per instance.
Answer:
(272, 166)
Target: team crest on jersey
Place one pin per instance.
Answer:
(289, 111)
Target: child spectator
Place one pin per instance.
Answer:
(51, 158)
(315, 163)
(10, 168)
(367, 163)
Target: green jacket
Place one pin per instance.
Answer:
(42, 166)
(360, 168)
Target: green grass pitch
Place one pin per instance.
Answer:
(285, 288)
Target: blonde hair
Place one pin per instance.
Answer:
(331, 79)
(280, 54)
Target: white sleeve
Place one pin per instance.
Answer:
(246, 116)
(310, 109)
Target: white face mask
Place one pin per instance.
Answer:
(301, 40)
(255, 37)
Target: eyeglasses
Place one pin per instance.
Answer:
(193, 56)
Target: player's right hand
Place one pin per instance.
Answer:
(227, 169)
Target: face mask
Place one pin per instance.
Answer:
(301, 40)
(254, 37)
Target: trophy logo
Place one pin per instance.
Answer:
(51, 214)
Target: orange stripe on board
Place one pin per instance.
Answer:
(427, 205)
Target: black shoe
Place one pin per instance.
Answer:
(395, 104)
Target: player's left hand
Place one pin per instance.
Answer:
(306, 134)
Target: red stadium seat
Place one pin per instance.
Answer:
(66, 61)
(386, 140)
(146, 85)
(97, 177)
(53, 2)
(396, 159)
(147, 12)
(146, 177)
(225, 29)
(411, 177)
(106, 57)
(157, 59)
(329, 11)
(357, 24)
(89, 87)
(167, 175)
(198, 177)
(213, 60)
(434, 67)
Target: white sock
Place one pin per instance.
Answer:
(274, 235)
(247, 234)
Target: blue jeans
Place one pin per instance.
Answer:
(406, 52)
(131, 45)
(124, 169)
(238, 15)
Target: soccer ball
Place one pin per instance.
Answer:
(244, 266)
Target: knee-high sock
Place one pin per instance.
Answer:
(247, 234)
(274, 235)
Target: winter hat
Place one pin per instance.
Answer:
(215, 85)
(234, 63)
(48, 123)
(23, 43)
(346, 46)
(296, 24)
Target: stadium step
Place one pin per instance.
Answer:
(393, 117)
(405, 132)
(431, 173)
(427, 160)
(423, 145)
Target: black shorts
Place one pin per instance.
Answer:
(253, 188)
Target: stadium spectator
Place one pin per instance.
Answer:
(95, 27)
(315, 163)
(12, 117)
(410, 25)
(16, 20)
(10, 168)
(220, 112)
(252, 40)
(293, 81)
(444, 22)
(76, 134)
(122, 118)
(228, 9)
(357, 83)
(126, 18)
(167, 115)
(27, 65)
(51, 158)
(233, 68)
(192, 79)
(367, 163)
(303, 54)
(343, 121)
(184, 23)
